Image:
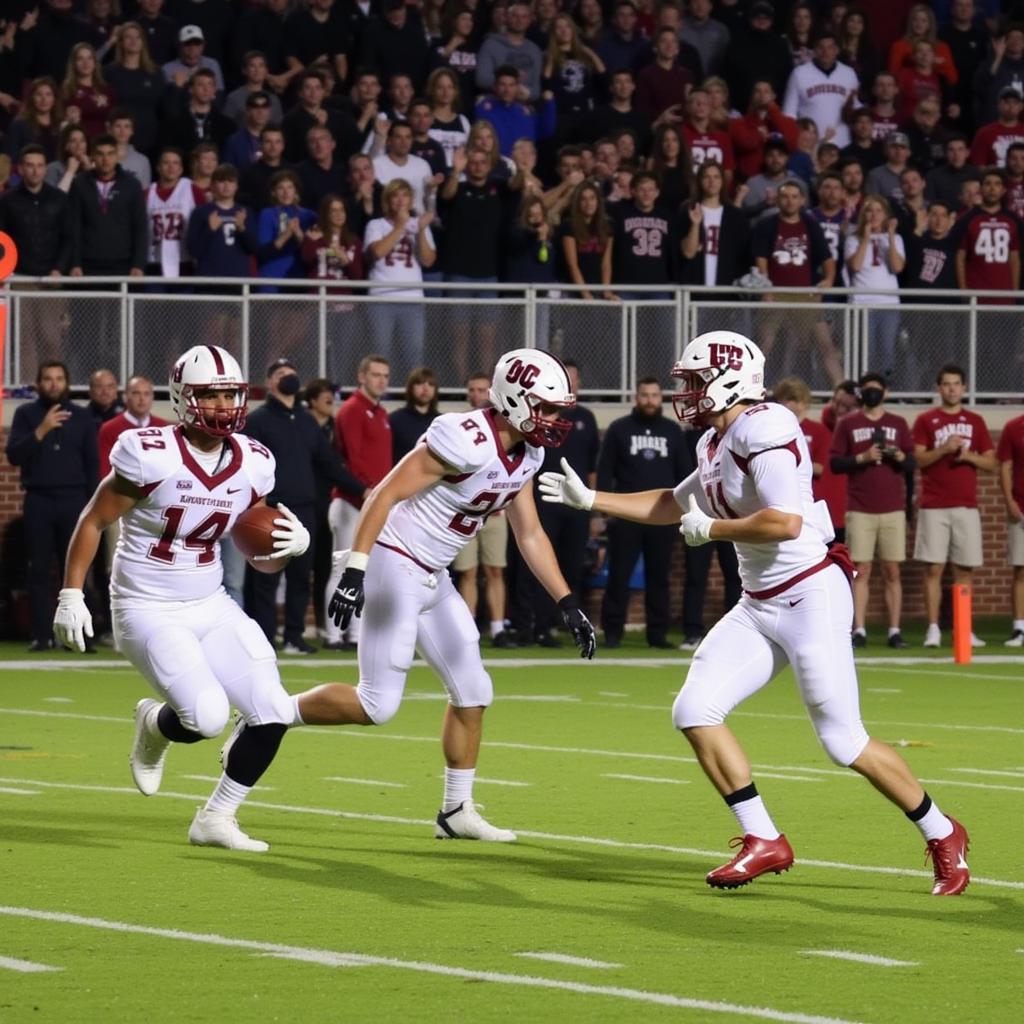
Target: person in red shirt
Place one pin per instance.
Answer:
(362, 434)
(951, 444)
(989, 253)
(874, 448)
(702, 140)
(331, 251)
(1010, 454)
(664, 83)
(831, 487)
(1015, 179)
(764, 119)
(991, 141)
(921, 81)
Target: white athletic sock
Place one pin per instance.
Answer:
(227, 797)
(296, 713)
(860, 631)
(497, 626)
(754, 818)
(1018, 624)
(894, 630)
(932, 822)
(458, 787)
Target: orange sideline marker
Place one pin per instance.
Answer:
(961, 623)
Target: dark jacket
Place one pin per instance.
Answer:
(184, 131)
(733, 250)
(111, 240)
(65, 460)
(40, 226)
(302, 452)
(395, 51)
(641, 453)
(407, 427)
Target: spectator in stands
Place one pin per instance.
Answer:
(885, 93)
(922, 27)
(262, 29)
(170, 202)
(191, 58)
(362, 435)
(121, 125)
(585, 238)
(424, 145)
(450, 129)
(138, 403)
(281, 227)
(35, 215)
(927, 136)
(53, 442)
(856, 47)
(331, 251)
(400, 95)
(663, 84)
(364, 193)
(703, 140)
(622, 44)
(931, 252)
(310, 112)
(851, 173)
(951, 444)
(830, 487)
(47, 33)
(990, 242)
(318, 395)
(968, 42)
(874, 448)
(137, 83)
(710, 38)
(799, 33)
(1011, 480)
(756, 53)
(911, 210)
(398, 162)
(214, 19)
(394, 43)
(398, 246)
(512, 119)
(922, 81)
(944, 181)
(671, 164)
(242, 147)
(590, 15)
(255, 179)
(1006, 67)
(200, 120)
(885, 179)
(640, 452)
(256, 77)
(620, 114)
(512, 48)
(1015, 179)
(202, 162)
(222, 237)
(763, 121)
(108, 217)
(38, 123)
(806, 97)
(646, 241)
(323, 173)
(74, 158)
(364, 101)
(530, 255)
(573, 73)
(86, 97)
(863, 144)
(104, 398)
(992, 141)
(488, 549)
(456, 50)
(759, 193)
(161, 32)
(320, 29)
(410, 422)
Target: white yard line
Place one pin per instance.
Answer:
(881, 689)
(330, 957)
(502, 782)
(58, 700)
(365, 782)
(19, 792)
(9, 963)
(572, 961)
(216, 778)
(646, 778)
(389, 819)
(1017, 773)
(859, 958)
(610, 693)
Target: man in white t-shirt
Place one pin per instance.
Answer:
(398, 162)
(752, 486)
(821, 88)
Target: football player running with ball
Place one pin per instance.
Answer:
(466, 466)
(177, 490)
(753, 487)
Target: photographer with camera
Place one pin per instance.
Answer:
(875, 448)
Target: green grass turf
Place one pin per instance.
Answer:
(387, 890)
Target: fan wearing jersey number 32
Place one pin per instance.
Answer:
(752, 486)
(466, 466)
(177, 490)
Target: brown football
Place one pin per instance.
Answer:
(252, 536)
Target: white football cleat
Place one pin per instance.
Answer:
(466, 822)
(219, 828)
(976, 641)
(1017, 640)
(149, 748)
(237, 731)
(933, 637)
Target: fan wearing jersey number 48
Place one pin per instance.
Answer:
(417, 519)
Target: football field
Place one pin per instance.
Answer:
(600, 911)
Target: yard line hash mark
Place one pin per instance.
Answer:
(572, 961)
(365, 782)
(25, 966)
(860, 958)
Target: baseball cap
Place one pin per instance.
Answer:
(278, 363)
(259, 98)
(1009, 92)
(761, 9)
(897, 139)
(190, 33)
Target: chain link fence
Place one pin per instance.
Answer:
(134, 327)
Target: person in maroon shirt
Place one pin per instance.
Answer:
(951, 444)
(1010, 454)
(764, 119)
(702, 140)
(664, 83)
(330, 249)
(991, 141)
(875, 449)
(989, 254)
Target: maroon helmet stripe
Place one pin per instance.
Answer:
(217, 361)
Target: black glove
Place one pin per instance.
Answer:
(347, 599)
(582, 631)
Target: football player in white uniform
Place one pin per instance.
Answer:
(177, 490)
(466, 466)
(753, 487)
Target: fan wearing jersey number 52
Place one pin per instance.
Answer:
(417, 519)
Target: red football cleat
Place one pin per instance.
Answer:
(949, 859)
(756, 856)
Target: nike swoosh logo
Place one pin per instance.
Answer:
(961, 863)
(234, 491)
(741, 864)
(792, 604)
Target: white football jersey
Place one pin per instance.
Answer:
(168, 222)
(821, 96)
(434, 525)
(762, 461)
(168, 547)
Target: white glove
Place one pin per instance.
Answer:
(72, 623)
(290, 539)
(695, 526)
(566, 490)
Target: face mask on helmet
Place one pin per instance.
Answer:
(528, 389)
(199, 377)
(691, 402)
(218, 421)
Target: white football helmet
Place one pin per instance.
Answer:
(201, 368)
(524, 379)
(717, 370)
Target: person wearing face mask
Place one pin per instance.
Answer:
(303, 453)
(875, 449)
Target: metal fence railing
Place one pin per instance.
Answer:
(140, 326)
